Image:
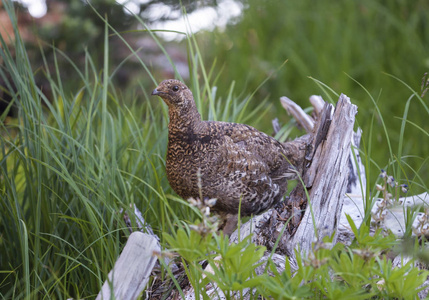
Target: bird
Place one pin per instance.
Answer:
(244, 169)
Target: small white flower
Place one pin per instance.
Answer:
(391, 181)
(404, 188)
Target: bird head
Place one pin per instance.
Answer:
(174, 93)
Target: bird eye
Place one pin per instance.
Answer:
(175, 88)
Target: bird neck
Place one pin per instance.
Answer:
(184, 119)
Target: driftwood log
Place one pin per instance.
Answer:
(128, 279)
(331, 186)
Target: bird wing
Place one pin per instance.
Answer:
(247, 163)
(259, 145)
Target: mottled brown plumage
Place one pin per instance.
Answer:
(234, 162)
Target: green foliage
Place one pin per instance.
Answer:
(405, 281)
(233, 265)
(191, 246)
(325, 39)
(378, 240)
(355, 272)
(237, 263)
(359, 271)
(79, 26)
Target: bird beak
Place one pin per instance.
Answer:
(155, 92)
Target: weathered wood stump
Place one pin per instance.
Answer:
(324, 181)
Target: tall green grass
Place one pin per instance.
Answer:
(69, 164)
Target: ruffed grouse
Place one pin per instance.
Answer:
(233, 162)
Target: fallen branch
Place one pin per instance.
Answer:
(132, 269)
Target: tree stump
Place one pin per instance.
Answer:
(325, 177)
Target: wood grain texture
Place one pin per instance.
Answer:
(330, 179)
(131, 272)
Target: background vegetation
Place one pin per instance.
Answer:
(73, 157)
(344, 44)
